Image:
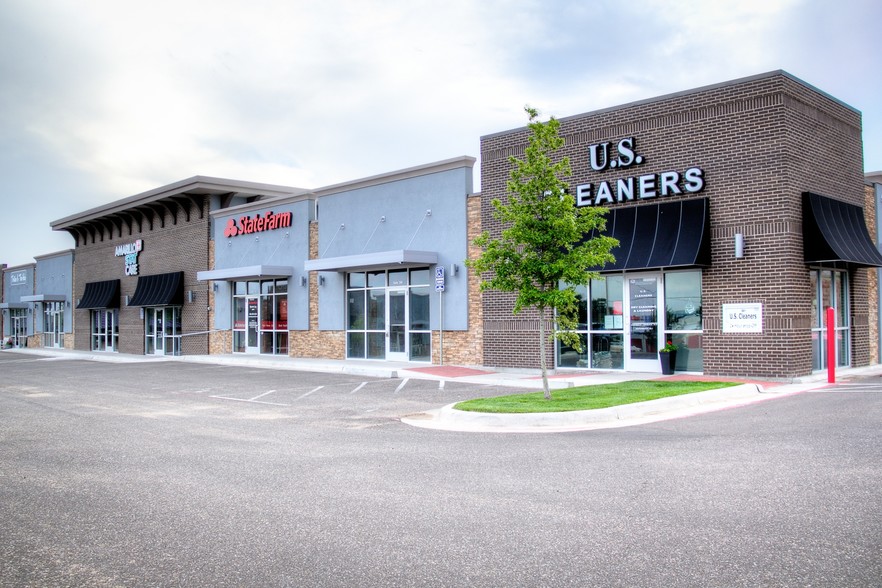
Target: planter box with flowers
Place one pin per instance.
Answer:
(668, 358)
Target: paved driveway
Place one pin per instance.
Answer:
(176, 474)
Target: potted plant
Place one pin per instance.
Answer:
(668, 357)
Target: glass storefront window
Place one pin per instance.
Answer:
(569, 357)
(356, 310)
(260, 317)
(830, 289)
(683, 301)
(607, 303)
(604, 313)
(388, 314)
(690, 354)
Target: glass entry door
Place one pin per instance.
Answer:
(161, 328)
(642, 328)
(53, 324)
(19, 327)
(246, 324)
(396, 334)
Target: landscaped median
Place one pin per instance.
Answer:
(587, 407)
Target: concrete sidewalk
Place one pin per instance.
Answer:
(448, 418)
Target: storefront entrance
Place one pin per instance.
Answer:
(53, 324)
(642, 323)
(162, 330)
(105, 330)
(19, 319)
(246, 324)
(260, 317)
(624, 319)
(388, 315)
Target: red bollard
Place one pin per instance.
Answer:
(831, 345)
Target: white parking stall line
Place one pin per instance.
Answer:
(308, 393)
(359, 387)
(402, 384)
(440, 384)
(262, 395)
(249, 400)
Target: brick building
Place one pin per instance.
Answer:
(739, 212)
(739, 209)
(135, 263)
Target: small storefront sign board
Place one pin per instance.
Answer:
(743, 318)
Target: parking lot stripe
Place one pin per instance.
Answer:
(402, 384)
(310, 392)
(440, 384)
(262, 395)
(249, 400)
(359, 387)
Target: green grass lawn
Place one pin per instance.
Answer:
(588, 397)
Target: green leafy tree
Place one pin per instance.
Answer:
(543, 248)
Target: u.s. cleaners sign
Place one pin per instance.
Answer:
(636, 187)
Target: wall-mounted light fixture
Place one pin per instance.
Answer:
(321, 280)
(739, 245)
(141, 312)
(191, 296)
(126, 300)
(215, 286)
(303, 280)
(454, 269)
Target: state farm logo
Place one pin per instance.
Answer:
(256, 224)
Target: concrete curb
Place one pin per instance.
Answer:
(450, 419)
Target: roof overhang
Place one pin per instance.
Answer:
(371, 261)
(667, 234)
(12, 305)
(835, 233)
(103, 294)
(44, 298)
(159, 290)
(246, 273)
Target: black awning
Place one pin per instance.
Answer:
(159, 290)
(100, 295)
(835, 233)
(668, 234)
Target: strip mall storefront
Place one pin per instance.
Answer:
(739, 213)
(367, 269)
(135, 288)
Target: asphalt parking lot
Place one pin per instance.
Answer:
(180, 474)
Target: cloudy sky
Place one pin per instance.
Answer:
(103, 99)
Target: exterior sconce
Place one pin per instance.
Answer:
(126, 300)
(191, 296)
(454, 269)
(739, 245)
(141, 312)
(321, 280)
(215, 286)
(303, 280)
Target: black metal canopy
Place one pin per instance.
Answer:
(159, 290)
(100, 295)
(667, 234)
(835, 233)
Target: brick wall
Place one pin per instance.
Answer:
(172, 244)
(761, 142)
(466, 347)
(315, 343)
(872, 281)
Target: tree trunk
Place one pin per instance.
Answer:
(542, 362)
